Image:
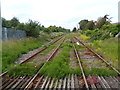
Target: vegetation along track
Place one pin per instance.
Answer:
(35, 54)
(25, 81)
(97, 55)
(94, 81)
(72, 81)
(80, 65)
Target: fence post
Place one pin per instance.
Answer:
(5, 29)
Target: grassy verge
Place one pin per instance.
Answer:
(59, 67)
(108, 49)
(71, 35)
(100, 72)
(13, 49)
(23, 69)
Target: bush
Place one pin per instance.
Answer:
(84, 37)
(107, 31)
(113, 29)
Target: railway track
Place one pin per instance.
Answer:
(28, 59)
(97, 82)
(97, 55)
(25, 81)
(67, 82)
(71, 81)
(80, 65)
(31, 57)
(74, 81)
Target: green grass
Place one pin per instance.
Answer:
(71, 35)
(59, 66)
(13, 49)
(50, 48)
(108, 49)
(100, 72)
(23, 69)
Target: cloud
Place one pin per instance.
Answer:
(66, 13)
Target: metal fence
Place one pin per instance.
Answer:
(8, 34)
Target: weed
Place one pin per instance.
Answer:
(84, 37)
(59, 67)
(108, 49)
(50, 48)
(13, 49)
(24, 69)
(100, 72)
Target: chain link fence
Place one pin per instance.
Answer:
(8, 34)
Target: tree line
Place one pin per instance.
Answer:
(91, 25)
(31, 27)
(100, 29)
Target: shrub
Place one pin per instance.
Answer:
(84, 37)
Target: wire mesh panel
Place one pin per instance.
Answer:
(8, 34)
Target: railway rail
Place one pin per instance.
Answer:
(80, 65)
(71, 81)
(31, 57)
(25, 82)
(97, 55)
(28, 59)
(97, 82)
(67, 82)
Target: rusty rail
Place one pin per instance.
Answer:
(98, 55)
(51, 56)
(28, 59)
(81, 67)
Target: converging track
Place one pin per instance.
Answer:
(96, 82)
(32, 56)
(71, 81)
(97, 55)
(25, 81)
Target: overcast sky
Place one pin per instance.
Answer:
(65, 13)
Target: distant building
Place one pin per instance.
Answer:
(95, 22)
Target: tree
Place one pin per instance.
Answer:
(57, 29)
(74, 29)
(3, 22)
(100, 22)
(46, 30)
(14, 22)
(32, 28)
(90, 25)
(6, 23)
(103, 20)
(82, 24)
(20, 26)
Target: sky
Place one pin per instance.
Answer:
(65, 13)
